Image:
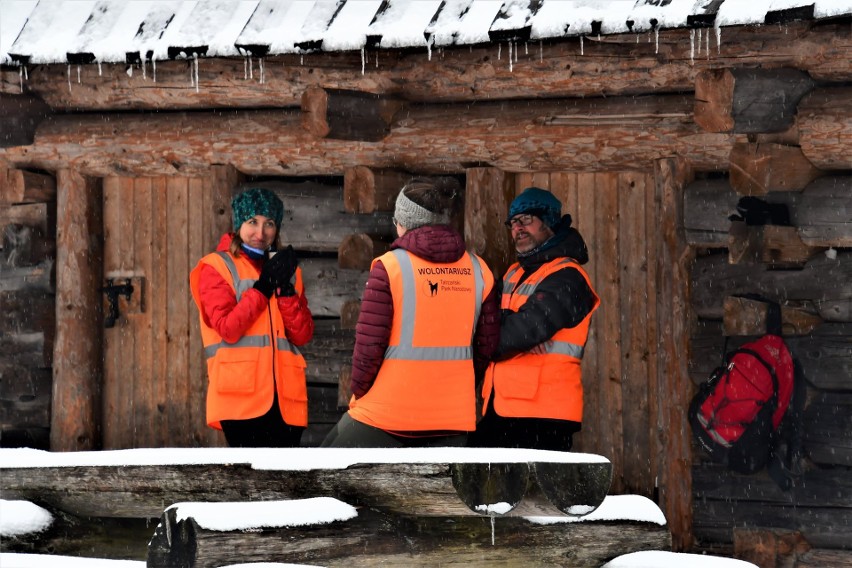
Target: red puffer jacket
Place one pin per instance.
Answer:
(231, 319)
(436, 243)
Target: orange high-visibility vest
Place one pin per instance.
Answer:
(243, 376)
(426, 381)
(547, 385)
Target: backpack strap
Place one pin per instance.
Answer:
(773, 318)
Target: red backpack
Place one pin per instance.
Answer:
(737, 413)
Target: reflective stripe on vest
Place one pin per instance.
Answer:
(526, 289)
(240, 286)
(405, 349)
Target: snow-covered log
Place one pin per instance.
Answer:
(191, 534)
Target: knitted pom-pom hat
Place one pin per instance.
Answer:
(256, 201)
(538, 202)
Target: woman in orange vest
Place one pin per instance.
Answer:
(427, 327)
(533, 391)
(254, 315)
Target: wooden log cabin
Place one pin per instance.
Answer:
(126, 127)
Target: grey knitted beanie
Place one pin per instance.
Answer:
(411, 215)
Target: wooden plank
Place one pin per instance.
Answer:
(328, 351)
(632, 259)
(774, 246)
(195, 422)
(608, 284)
(177, 314)
(656, 451)
(672, 292)
(328, 287)
(159, 312)
(594, 416)
(77, 350)
(41, 216)
(488, 193)
(144, 413)
(115, 376)
(826, 428)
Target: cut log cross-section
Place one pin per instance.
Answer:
(347, 115)
(357, 251)
(773, 245)
(366, 190)
(749, 100)
(757, 169)
(22, 186)
(744, 316)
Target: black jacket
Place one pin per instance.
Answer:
(560, 301)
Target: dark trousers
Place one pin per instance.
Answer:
(349, 433)
(495, 431)
(267, 431)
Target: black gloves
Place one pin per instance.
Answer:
(277, 272)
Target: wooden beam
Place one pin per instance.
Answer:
(375, 538)
(77, 360)
(23, 186)
(821, 212)
(671, 277)
(328, 287)
(366, 190)
(328, 351)
(749, 100)
(757, 169)
(830, 280)
(617, 66)
(824, 119)
(772, 245)
(20, 116)
(748, 317)
(580, 134)
(347, 115)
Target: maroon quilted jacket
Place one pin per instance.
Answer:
(231, 319)
(435, 243)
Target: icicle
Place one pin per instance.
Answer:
(718, 41)
(69, 77)
(492, 528)
(377, 59)
(656, 40)
(245, 69)
(144, 70)
(581, 45)
(698, 51)
(526, 48)
(191, 76)
(510, 56)
(251, 68)
(707, 44)
(429, 48)
(541, 51)
(78, 74)
(637, 38)
(21, 77)
(195, 67)
(26, 74)
(262, 70)
(499, 51)
(363, 59)
(691, 46)
(516, 53)
(301, 60)
(100, 70)
(129, 70)
(154, 68)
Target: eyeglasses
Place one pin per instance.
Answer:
(520, 220)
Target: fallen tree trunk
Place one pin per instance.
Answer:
(374, 538)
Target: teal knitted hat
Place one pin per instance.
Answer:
(538, 202)
(256, 201)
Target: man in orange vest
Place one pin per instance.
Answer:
(533, 393)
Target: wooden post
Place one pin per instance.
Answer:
(366, 190)
(77, 370)
(673, 384)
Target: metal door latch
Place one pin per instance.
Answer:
(113, 291)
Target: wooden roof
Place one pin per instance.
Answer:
(86, 31)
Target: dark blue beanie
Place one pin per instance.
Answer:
(538, 202)
(256, 201)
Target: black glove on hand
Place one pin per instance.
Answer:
(277, 272)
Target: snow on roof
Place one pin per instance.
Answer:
(74, 31)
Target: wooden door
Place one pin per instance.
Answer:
(154, 380)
